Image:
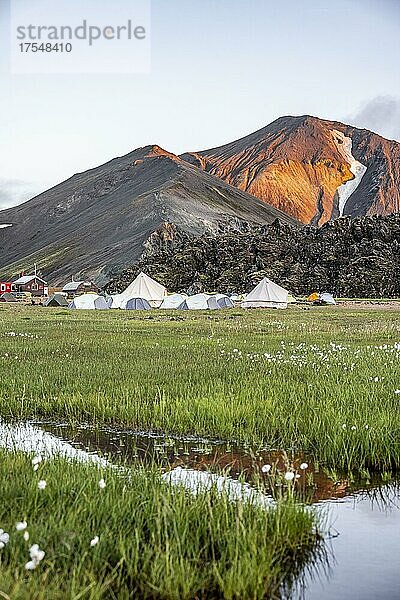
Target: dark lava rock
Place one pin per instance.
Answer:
(348, 257)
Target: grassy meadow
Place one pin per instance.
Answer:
(139, 537)
(322, 380)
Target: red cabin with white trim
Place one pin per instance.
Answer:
(32, 284)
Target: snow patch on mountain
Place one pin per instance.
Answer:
(345, 147)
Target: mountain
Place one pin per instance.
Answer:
(97, 222)
(353, 258)
(312, 169)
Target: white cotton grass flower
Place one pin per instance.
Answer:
(94, 541)
(37, 555)
(102, 484)
(21, 525)
(4, 537)
(42, 484)
(344, 426)
(266, 468)
(36, 460)
(397, 391)
(26, 535)
(289, 476)
(353, 427)
(304, 466)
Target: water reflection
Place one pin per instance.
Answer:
(314, 485)
(363, 555)
(27, 437)
(358, 558)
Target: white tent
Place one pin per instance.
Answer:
(89, 302)
(142, 287)
(266, 294)
(115, 301)
(199, 302)
(326, 298)
(173, 301)
(224, 301)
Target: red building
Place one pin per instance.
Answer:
(32, 284)
(5, 287)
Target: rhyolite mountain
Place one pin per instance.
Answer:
(312, 169)
(297, 169)
(97, 222)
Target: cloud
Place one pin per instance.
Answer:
(15, 191)
(381, 115)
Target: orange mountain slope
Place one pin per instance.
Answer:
(312, 169)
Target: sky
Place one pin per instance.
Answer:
(220, 69)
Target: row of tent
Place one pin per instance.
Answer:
(144, 293)
(172, 301)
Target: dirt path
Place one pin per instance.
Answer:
(369, 305)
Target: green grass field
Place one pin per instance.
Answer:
(154, 541)
(323, 380)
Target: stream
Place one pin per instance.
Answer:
(363, 545)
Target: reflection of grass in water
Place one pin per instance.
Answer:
(312, 483)
(156, 541)
(384, 496)
(323, 382)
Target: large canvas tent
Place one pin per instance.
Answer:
(173, 301)
(199, 302)
(89, 302)
(142, 287)
(266, 294)
(137, 304)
